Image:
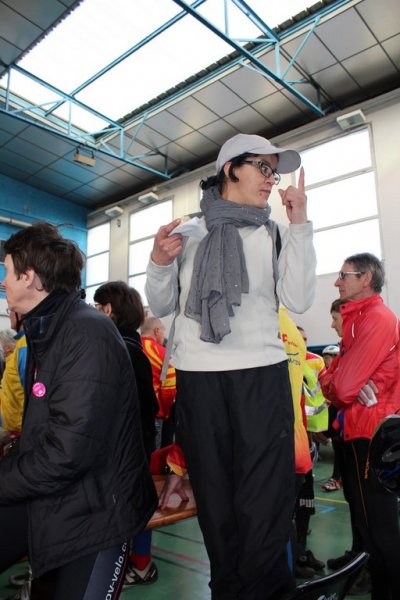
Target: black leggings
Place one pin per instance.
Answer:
(96, 576)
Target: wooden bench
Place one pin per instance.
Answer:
(177, 510)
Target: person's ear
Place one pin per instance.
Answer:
(29, 278)
(367, 279)
(227, 167)
(107, 309)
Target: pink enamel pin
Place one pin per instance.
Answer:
(39, 389)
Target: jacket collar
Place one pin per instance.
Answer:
(355, 306)
(43, 321)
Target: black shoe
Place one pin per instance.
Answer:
(303, 569)
(362, 584)
(134, 577)
(309, 560)
(341, 561)
(301, 572)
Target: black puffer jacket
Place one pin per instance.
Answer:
(80, 464)
(144, 382)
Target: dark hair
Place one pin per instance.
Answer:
(366, 262)
(127, 305)
(336, 304)
(220, 179)
(56, 261)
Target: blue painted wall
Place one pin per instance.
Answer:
(25, 203)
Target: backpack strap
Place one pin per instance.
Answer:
(273, 230)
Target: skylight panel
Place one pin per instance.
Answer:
(98, 32)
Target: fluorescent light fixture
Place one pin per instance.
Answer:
(114, 211)
(84, 157)
(148, 198)
(351, 119)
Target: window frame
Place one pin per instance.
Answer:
(95, 254)
(349, 175)
(131, 243)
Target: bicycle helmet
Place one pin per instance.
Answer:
(384, 453)
(331, 350)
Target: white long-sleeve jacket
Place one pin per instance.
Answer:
(254, 340)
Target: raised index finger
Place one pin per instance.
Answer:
(166, 229)
(300, 184)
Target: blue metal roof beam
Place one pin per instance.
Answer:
(255, 19)
(253, 59)
(131, 51)
(187, 89)
(33, 114)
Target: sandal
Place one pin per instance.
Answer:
(331, 485)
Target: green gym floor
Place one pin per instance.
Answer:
(181, 558)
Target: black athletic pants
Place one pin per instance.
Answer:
(376, 519)
(236, 430)
(96, 576)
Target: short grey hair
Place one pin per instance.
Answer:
(7, 338)
(365, 262)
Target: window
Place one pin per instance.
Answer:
(342, 200)
(98, 255)
(143, 227)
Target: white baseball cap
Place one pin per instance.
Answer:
(288, 160)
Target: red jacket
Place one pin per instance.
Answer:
(165, 390)
(370, 349)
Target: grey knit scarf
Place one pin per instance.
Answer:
(219, 270)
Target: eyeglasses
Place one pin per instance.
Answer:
(8, 311)
(343, 274)
(265, 169)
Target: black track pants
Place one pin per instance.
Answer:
(236, 430)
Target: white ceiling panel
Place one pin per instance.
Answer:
(168, 125)
(53, 185)
(193, 113)
(219, 132)
(337, 82)
(379, 66)
(75, 170)
(219, 99)
(151, 138)
(248, 120)
(27, 165)
(5, 137)
(42, 13)
(197, 144)
(383, 18)
(10, 170)
(313, 57)
(276, 108)
(181, 152)
(16, 29)
(346, 35)
(24, 148)
(392, 47)
(247, 84)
